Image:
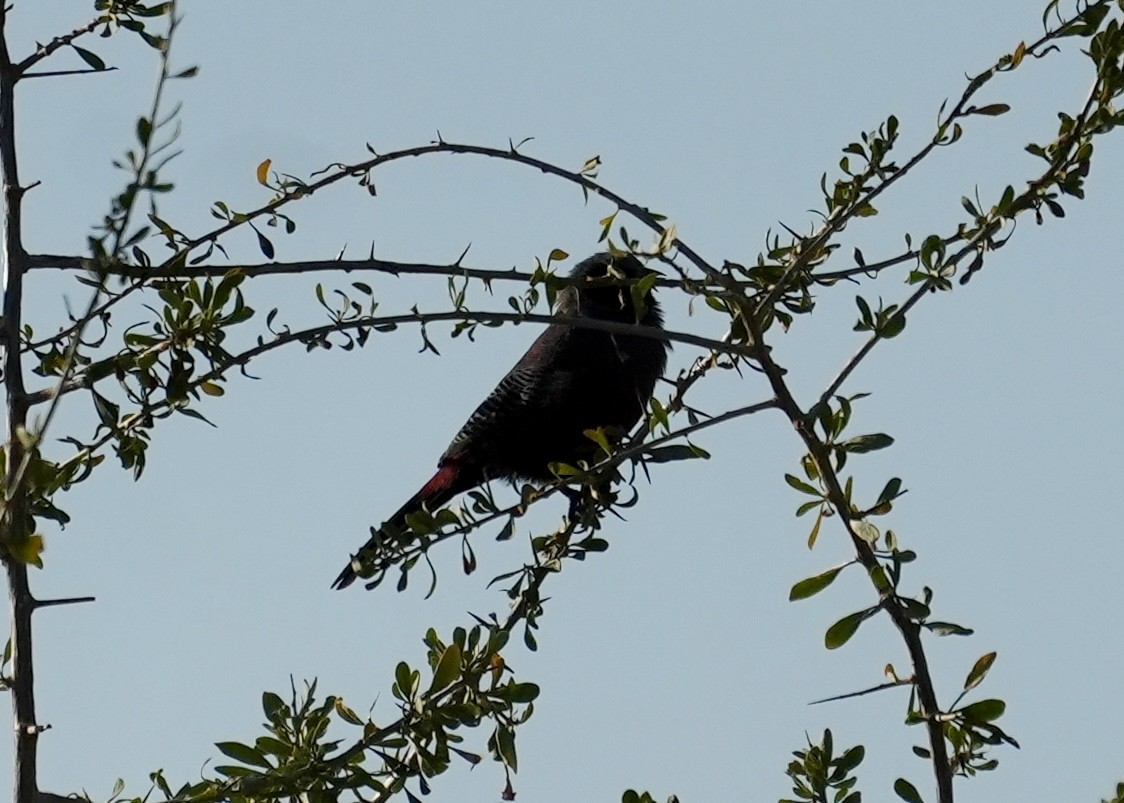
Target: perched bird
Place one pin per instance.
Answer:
(571, 379)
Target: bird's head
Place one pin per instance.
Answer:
(604, 288)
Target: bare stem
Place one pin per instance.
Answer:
(14, 524)
(46, 50)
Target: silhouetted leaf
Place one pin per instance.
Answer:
(907, 791)
(813, 585)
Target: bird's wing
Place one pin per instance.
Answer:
(515, 404)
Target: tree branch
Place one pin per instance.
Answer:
(58, 73)
(258, 269)
(366, 323)
(910, 632)
(16, 517)
(46, 50)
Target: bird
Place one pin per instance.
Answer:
(572, 379)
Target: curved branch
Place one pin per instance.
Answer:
(258, 269)
(834, 224)
(46, 50)
(316, 333)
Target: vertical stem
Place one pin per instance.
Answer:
(15, 516)
(910, 632)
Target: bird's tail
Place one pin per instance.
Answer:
(442, 486)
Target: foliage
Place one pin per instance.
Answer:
(198, 332)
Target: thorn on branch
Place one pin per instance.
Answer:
(48, 603)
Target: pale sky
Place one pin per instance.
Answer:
(673, 662)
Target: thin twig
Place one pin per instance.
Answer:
(893, 684)
(46, 50)
(464, 316)
(50, 603)
(57, 73)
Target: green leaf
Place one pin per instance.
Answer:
(907, 791)
(598, 436)
(505, 746)
(984, 710)
(815, 533)
(244, 753)
(273, 706)
(991, 110)
(801, 486)
(345, 713)
(979, 671)
(93, 59)
(144, 130)
(892, 491)
(108, 412)
(403, 678)
(264, 244)
(811, 586)
(867, 443)
(518, 692)
(680, 451)
(894, 326)
(448, 669)
(880, 580)
(948, 629)
(840, 633)
(851, 759)
(28, 550)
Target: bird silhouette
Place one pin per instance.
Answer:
(571, 379)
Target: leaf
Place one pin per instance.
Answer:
(108, 412)
(811, 586)
(866, 531)
(801, 486)
(867, 443)
(892, 491)
(403, 678)
(264, 244)
(984, 710)
(244, 753)
(907, 791)
(93, 59)
(666, 454)
(263, 172)
(505, 746)
(598, 436)
(840, 633)
(28, 550)
(948, 629)
(448, 669)
(991, 110)
(144, 130)
(557, 255)
(851, 759)
(894, 326)
(523, 692)
(211, 388)
(815, 533)
(979, 671)
(273, 706)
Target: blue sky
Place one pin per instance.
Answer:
(673, 662)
